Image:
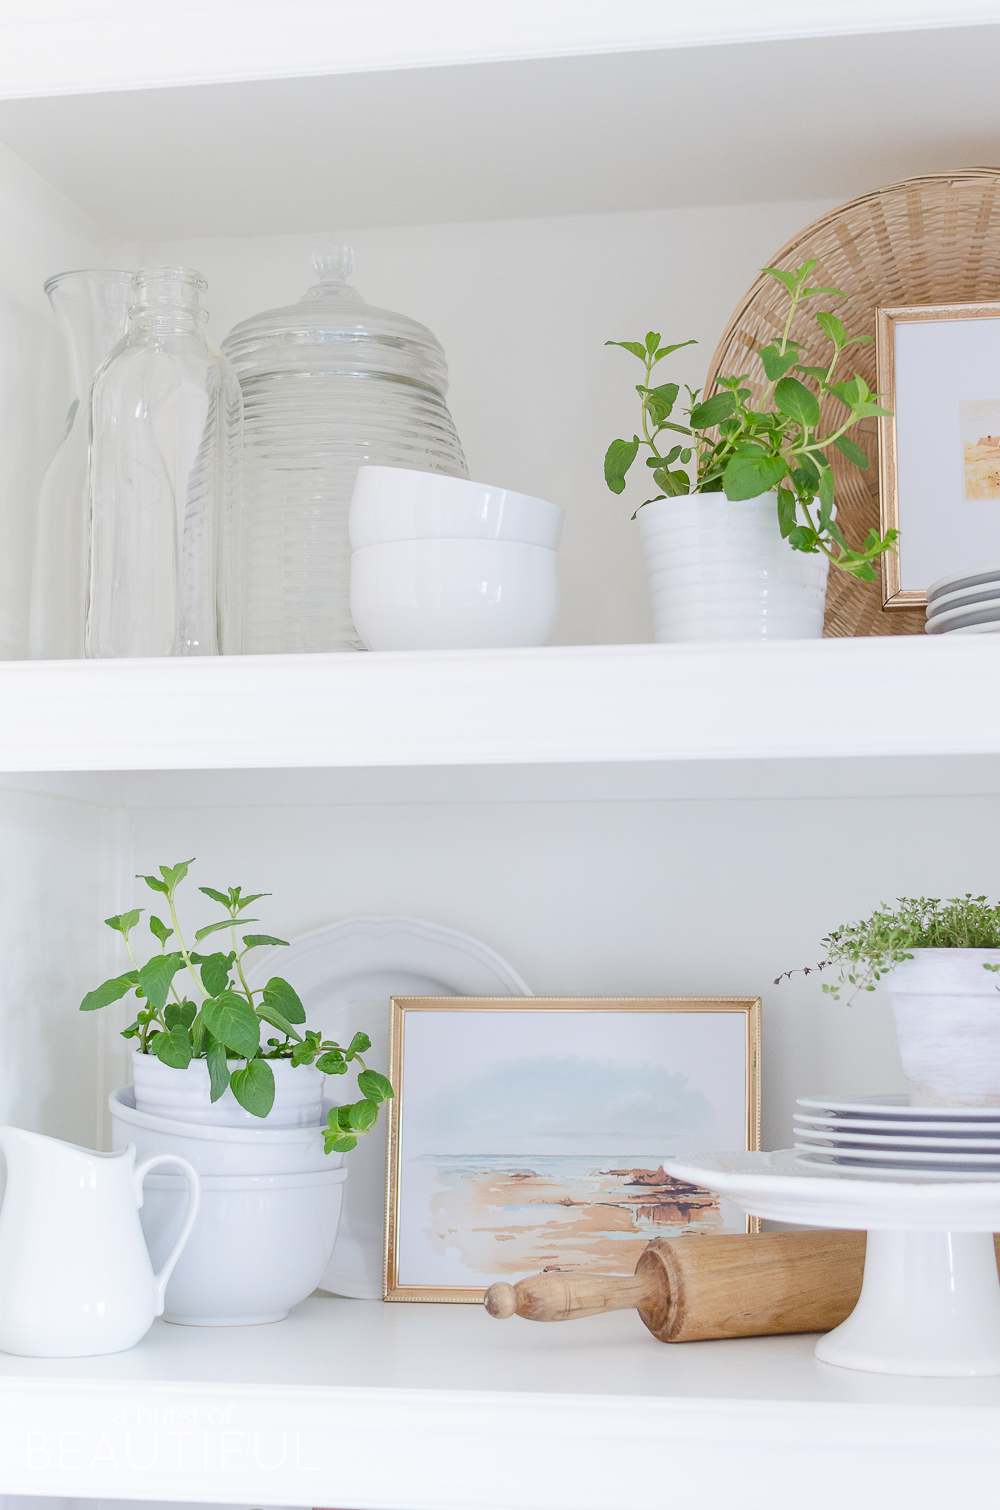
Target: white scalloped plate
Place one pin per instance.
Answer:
(820, 1137)
(876, 1158)
(890, 1132)
(895, 1104)
(345, 974)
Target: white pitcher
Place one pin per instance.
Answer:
(75, 1275)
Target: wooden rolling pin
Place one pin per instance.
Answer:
(694, 1288)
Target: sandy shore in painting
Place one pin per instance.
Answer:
(982, 469)
(519, 1219)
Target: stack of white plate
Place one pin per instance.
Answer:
(885, 1133)
(967, 603)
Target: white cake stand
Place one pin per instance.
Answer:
(930, 1300)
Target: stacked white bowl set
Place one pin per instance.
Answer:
(270, 1197)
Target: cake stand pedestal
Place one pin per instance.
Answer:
(930, 1300)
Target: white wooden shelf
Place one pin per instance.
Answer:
(629, 703)
(411, 1406)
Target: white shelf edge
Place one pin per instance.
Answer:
(599, 704)
(288, 1445)
(50, 47)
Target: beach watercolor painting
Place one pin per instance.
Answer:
(534, 1140)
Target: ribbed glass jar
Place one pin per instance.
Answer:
(328, 383)
(164, 482)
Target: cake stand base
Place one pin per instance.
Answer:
(929, 1304)
(930, 1300)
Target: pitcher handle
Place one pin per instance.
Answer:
(194, 1198)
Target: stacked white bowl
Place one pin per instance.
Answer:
(884, 1134)
(965, 603)
(440, 563)
(270, 1197)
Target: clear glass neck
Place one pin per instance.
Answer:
(168, 298)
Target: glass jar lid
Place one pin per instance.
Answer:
(333, 330)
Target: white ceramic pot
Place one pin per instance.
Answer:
(721, 571)
(258, 1246)
(394, 503)
(220, 1150)
(947, 1011)
(187, 1094)
(454, 594)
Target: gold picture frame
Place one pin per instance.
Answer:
(405, 1011)
(894, 595)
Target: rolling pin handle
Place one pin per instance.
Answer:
(501, 1301)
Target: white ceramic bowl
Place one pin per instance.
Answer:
(186, 1094)
(219, 1150)
(259, 1244)
(454, 594)
(393, 503)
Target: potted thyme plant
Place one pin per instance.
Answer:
(199, 1053)
(741, 549)
(938, 962)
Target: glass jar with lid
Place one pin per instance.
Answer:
(328, 383)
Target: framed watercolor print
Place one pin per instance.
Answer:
(938, 369)
(531, 1134)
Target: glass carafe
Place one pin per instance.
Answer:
(92, 311)
(164, 482)
(328, 383)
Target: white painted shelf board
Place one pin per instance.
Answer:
(70, 46)
(522, 139)
(905, 696)
(356, 1403)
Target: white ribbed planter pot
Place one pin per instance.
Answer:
(721, 571)
(185, 1095)
(947, 1010)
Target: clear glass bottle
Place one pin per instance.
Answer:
(328, 383)
(91, 308)
(164, 482)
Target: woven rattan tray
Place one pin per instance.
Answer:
(928, 240)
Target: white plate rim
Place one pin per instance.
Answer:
(816, 1137)
(892, 1129)
(887, 1176)
(969, 597)
(895, 1102)
(957, 579)
(902, 1156)
(963, 613)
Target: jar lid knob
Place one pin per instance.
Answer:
(333, 260)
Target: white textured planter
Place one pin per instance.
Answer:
(947, 1010)
(185, 1095)
(721, 571)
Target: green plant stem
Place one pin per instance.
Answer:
(183, 947)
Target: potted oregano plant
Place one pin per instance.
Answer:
(743, 531)
(938, 961)
(200, 1054)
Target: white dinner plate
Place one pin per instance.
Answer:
(962, 579)
(895, 1105)
(817, 1136)
(875, 1157)
(345, 974)
(962, 616)
(941, 1129)
(993, 628)
(968, 597)
(889, 1175)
